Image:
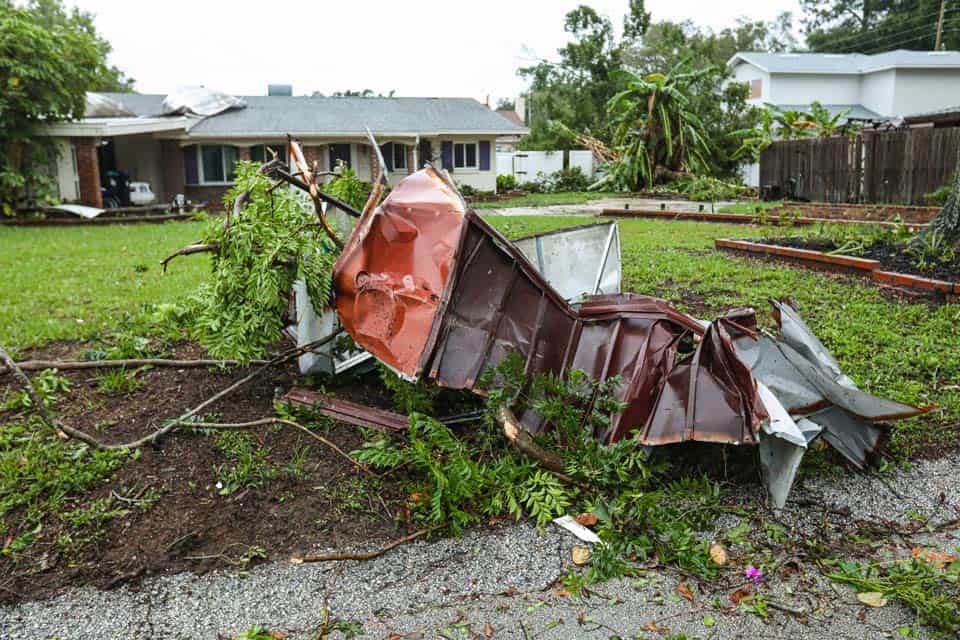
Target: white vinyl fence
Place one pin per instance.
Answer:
(526, 165)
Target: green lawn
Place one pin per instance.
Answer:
(53, 278)
(545, 199)
(70, 283)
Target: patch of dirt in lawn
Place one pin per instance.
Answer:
(191, 526)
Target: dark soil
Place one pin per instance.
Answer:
(890, 257)
(192, 527)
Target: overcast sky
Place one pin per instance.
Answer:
(453, 48)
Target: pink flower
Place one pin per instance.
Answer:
(753, 574)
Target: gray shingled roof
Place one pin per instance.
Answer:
(301, 115)
(857, 111)
(848, 63)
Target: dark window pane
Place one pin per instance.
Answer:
(230, 162)
(458, 155)
(212, 161)
(280, 150)
(257, 154)
(399, 156)
(339, 152)
(471, 155)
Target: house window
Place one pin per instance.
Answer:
(217, 163)
(339, 153)
(261, 152)
(399, 155)
(756, 88)
(465, 155)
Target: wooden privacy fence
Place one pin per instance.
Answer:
(884, 167)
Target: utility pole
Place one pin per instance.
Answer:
(936, 46)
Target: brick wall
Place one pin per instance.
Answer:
(88, 172)
(171, 157)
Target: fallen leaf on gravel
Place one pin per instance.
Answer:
(937, 559)
(739, 595)
(580, 555)
(394, 636)
(684, 590)
(488, 630)
(562, 593)
(718, 554)
(872, 598)
(587, 519)
(708, 620)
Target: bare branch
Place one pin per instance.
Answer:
(365, 556)
(197, 247)
(236, 426)
(75, 365)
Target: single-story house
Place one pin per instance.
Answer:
(195, 155)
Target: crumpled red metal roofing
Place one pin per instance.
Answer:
(430, 288)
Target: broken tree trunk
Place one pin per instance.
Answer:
(947, 221)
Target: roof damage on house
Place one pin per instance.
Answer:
(434, 292)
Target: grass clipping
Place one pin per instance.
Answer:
(275, 241)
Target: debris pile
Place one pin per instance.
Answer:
(433, 291)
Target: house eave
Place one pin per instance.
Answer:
(106, 127)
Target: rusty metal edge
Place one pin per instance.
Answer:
(346, 411)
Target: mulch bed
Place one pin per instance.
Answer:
(890, 257)
(192, 527)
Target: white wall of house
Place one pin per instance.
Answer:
(747, 73)
(480, 180)
(139, 156)
(805, 88)
(67, 178)
(921, 90)
(890, 92)
(876, 91)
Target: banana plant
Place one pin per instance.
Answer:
(656, 132)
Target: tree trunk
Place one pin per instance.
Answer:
(947, 221)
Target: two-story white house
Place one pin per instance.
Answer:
(871, 87)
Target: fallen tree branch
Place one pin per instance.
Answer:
(236, 426)
(73, 365)
(197, 247)
(296, 152)
(333, 557)
(524, 442)
(58, 426)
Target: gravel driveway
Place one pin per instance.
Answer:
(504, 581)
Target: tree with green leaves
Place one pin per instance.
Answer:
(657, 133)
(575, 91)
(875, 26)
(46, 68)
(51, 15)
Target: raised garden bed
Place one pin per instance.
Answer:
(864, 212)
(746, 218)
(884, 264)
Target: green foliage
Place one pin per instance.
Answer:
(48, 62)
(348, 188)
(930, 588)
(409, 397)
(458, 479)
(249, 466)
(932, 249)
(862, 26)
(273, 242)
(49, 384)
(938, 197)
(791, 124)
(563, 180)
(506, 182)
(39, 473)
(657, 132)
(848, 239)
(707, 189)
(118, 381)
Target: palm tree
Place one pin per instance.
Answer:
(656, 132)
